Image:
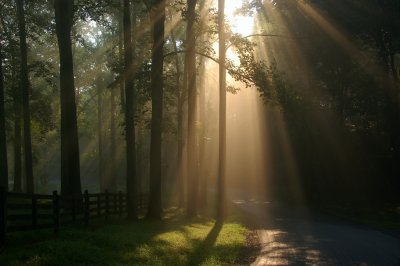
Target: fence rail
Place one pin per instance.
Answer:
(22, 212)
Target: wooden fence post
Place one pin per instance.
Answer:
(34, 211)
(98, 205)
(3, 214)
(87, 211)
(141, 202)
(107, 199)
(120, 203)
(73, 209)
(115, 202)
(56, 211)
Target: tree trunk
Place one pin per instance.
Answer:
(202, 143)
(157, 17)
(3, 141)
(17, 132)
(179, 180)
(192, 111)
(25, 97)
(222, 115)
(112, 178)
(102, 176)
(70, 168)
(203, 169)
(121, 56)
(17, 113)
(129, 115)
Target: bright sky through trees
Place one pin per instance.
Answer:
(240, 24)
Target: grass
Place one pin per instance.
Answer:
(173, 241)
(385, 218)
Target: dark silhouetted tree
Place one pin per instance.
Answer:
(193, 168)
(222, 114)
(70, 168)
(3, 142)
(157, 17)
(25, 97)
(129, 113)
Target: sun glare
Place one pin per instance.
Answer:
(240, 24)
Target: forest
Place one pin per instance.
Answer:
(202, 104)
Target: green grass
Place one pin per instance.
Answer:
(384, 218)
(173, 241)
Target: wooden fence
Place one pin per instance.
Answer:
(20, 212)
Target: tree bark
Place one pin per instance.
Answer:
(129, 115)
(16, 94)
(112, 178)
(221, 210)
(17, 131)
(180, 181)
(25, 97)
(202, 143)
(70, 167)
(193, 175)
(157, 17)
(203, 169)
(3, 141)
(121, 56)
(102, 176)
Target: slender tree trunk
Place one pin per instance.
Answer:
(112, 178)
(17, 130)
(193, 168)
(25, 97)
(130, 115)
(102, 176)
(222, 115)
(70, 167)
(203, 170)
(3, 141)
(121, 56)
(202, 143)
(157, 17)
(17, 145)
(17, 113)
(179, 180)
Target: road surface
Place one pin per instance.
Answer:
(297, 236)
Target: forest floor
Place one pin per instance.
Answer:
(297, 235)
(173, 241)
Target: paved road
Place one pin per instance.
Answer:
(296, 236)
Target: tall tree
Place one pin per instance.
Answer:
(121, 54)
(222, 113)
(180, 101)
(129, 113)
(17, 129)
(203, 169)
(102, 176)
(112, 180)
(3, 142)
(157, 17)
(17, 109)
(70, 168)
(25, 97)
(193, 173)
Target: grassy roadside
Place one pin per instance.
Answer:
(385, 218)
(173, 241)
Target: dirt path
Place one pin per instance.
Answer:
(296, 236)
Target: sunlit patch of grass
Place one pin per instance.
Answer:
(174, 241)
